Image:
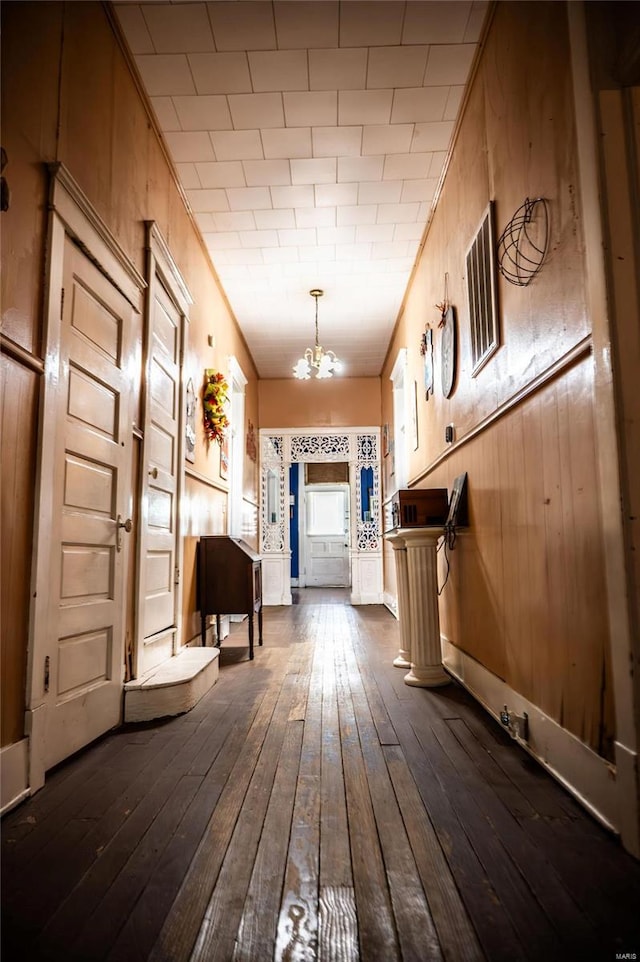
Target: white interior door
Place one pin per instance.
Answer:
(327, 536)
(84, 647)
(158, 544)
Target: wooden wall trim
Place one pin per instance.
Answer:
(203, 479)
(19, 354)
(577, 353)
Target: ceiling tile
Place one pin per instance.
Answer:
(396, 66)
(442, 22)
(434, 136)
(192, 146)
(249, 198)
(419, 104)
(359, 168)
(384, 251)
(406, 166)
(364, 106)
(207, 200)
(312, 24)
(205, 221)
(291, 238)
(135, 28)
(387, 139)
(279, 255)
(188, 176)
(336, 141)
(449, 64)
(410, 232)
(334, 195)
(165, 74)
(228, 173)
(292, 196)
(203, 113)
(361, 214)
(229, 240)
(320, 170)
(182, 28)
(259, 238)
(166, 113)
(473, 30)
(374, 232)
(238, 220)
(243, 257)
(237, 144)
(323, 253)
(220, 73)
(264, 173)
(336, 235)
(454, 101)
(274, 219)
(353, 252)
(250, 111)
(380, 192)
(279, 70)
(315, 216)
(419, 190)
(311, 108)
(242, 26)
(287, 142)
(359, 28)
(400, 213)
(338, 69)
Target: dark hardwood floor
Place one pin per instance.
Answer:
(312, 806)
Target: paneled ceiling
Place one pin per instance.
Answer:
(309, 137)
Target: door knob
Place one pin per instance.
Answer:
(127, 525)
(153, 473)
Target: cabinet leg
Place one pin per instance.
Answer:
(259, 626)
(218, 638)
(203, 628)
(251, 637)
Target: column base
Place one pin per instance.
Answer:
(433, 677)
(401, 661)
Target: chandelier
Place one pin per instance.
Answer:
(324, 362)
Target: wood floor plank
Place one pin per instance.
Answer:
(297, 930)
(259, 923)
(377, 931)
(338, 941)
(150, 911)
(416, 931)
(216, 937)
(181, 928)
(335, 861)
(455, 932)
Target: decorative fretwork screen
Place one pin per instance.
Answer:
(279, 451)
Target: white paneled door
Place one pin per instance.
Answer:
(326, 547)
(83, 649)
(158, 545)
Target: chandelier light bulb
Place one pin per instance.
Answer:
(324, 363)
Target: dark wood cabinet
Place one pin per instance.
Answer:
(229, 582)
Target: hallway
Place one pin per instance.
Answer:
(312, 806)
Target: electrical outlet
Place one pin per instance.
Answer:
(518, 725)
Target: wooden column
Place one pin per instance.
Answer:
(422, 589)
(403, 659)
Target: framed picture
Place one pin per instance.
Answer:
(191, 402)
(414, 416)
(224, 459)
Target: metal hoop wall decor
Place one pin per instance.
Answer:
(523, 244)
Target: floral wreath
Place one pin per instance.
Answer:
(214, 398)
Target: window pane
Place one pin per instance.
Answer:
(325, 512)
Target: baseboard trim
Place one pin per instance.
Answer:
(14, 774)
(588, 777)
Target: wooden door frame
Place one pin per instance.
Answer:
(72, 215)
(161, 268)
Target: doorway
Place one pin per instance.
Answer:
(326, 536)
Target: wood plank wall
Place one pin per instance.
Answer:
(526, 596)
(68, 95)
